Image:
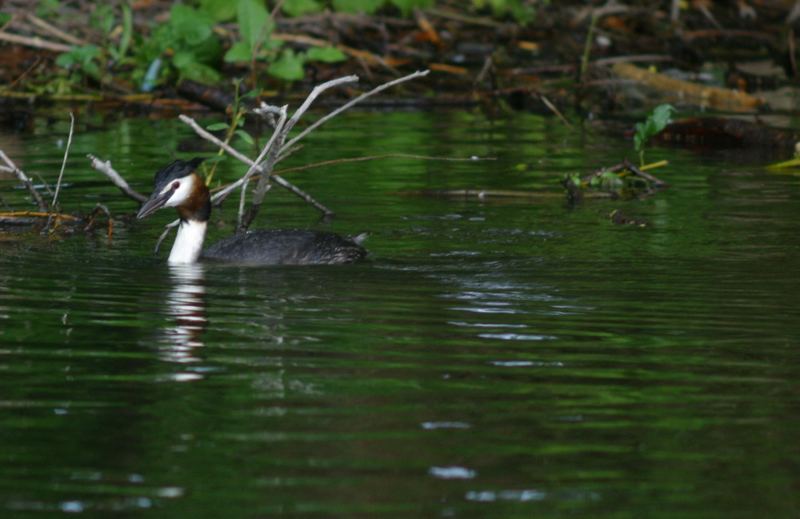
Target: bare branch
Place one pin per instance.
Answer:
(26, 181)
(265, 161)
(346, 106)
(346, 160)
(53, 30)
(106, 169)
(319, 89)
(34, 42)
(239, 156)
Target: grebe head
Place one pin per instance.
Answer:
(178, 185)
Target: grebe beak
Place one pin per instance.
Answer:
(154, 203)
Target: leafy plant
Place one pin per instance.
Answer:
(658, 119)
(189, 39)
(83, 59)
(234, 127)
(255, 28)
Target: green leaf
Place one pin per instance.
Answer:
(289, 66)
(190, 25)
(82, 57)
(357, 6)
(182, 59)
(200, 73)
(4, 18)
(127, 30)
(220, 10)
(255, 24)
(662, 115)
(301, 7)
(239, 52)
(190, 68)
(406, 6)
(246, 137)
(325, 54)
(658, 119)
(215, 127)
(102, 18)
(46, 8)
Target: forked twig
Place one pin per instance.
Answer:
(265, 159)
(346, 106)
(243, 158)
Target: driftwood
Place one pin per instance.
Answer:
(686, 91)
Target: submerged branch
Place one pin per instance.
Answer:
(347, 160)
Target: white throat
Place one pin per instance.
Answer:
(188, 243)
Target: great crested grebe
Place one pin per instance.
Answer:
(178, 185)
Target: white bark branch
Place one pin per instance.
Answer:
(106, 169)
(26, 181)
(243, 158)
(346, 106)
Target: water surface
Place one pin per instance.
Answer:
(494, 358)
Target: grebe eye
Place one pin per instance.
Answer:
(176, 185)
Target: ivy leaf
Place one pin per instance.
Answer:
(325, 54)
(289, 66)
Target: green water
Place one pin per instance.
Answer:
(501, 359)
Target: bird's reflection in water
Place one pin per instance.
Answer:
(186, 306)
